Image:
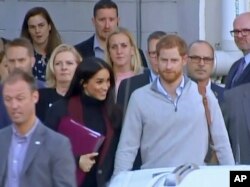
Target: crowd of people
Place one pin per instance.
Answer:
(161, 112)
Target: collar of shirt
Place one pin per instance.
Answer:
(247, 60)
(153, 76)
(163, 90)
(99, 52)
(27, 136)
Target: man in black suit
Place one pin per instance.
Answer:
(200, 66)
(127, 86)
(239, 73)
(105, 20)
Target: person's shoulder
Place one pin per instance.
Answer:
(40, 84)
(52, 136)
(234, 65)
(190, 84)
(142, 91)
(141, 76)
(238, 90)
(135, 79)
(47, 92)
(4, 130)
(85, 43)
(59, 107)
(217, 88)
(145, 74)
(61, 102)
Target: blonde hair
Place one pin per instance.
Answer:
(50, 72)
(136, 63)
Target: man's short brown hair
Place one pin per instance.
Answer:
(172, 41)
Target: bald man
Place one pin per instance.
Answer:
(239, 73)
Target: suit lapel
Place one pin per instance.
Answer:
(5, 146)
(147, 76)
(232, 73)
(91, 46)
(245, 103)
(245, 73)
(36, 142)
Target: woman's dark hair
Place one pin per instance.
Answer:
(54, 36)
(84, 72)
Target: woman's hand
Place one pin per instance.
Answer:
(87, 161)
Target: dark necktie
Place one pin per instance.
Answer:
(239, 71)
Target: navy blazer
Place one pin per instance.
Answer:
(244, 77)
(127, 86)
(86, 49)
(218, 91)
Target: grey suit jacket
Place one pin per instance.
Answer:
(49, 160)
(236, 112)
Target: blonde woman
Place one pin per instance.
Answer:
(122, 54)
(59, 73)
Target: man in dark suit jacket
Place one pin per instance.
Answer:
(243, 78)
(239, 73)
(218, 91)
(129, 85)
(236, 109)
(200, 65)
(31, 154)
(105, 20)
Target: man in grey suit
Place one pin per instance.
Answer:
(239, 72)
(235, 109)
(31, 154)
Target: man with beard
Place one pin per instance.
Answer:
(166, 119)
(239, 73)
(200, 65)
